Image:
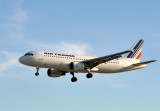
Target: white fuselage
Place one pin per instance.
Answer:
(58, 60)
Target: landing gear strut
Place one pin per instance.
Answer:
(37, 73)
(89, 75)
(73, 79)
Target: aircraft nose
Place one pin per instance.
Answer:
(21, 60)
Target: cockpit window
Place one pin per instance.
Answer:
(28, 54)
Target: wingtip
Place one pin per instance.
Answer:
(154, 60)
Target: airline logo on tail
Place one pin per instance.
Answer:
(136, 50)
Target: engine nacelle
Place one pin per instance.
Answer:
(72, 66)
(77, 66)
(55, 73)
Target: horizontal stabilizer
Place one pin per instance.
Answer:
(138, 65)
(142, 63)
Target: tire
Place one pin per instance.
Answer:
(36, 74)
(74, 79)
(89, 75)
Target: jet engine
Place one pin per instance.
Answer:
(72, 66)
(55, 73)
(77, 66)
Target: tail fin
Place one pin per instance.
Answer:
(136, 50)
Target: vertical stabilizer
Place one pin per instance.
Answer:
(136, 50)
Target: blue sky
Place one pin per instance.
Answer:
(85, 27)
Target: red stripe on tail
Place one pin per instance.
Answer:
(139, 55)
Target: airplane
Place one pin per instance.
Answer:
(59, 64)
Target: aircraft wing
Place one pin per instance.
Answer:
(142, 63)
(89, 64)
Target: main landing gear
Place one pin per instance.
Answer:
(37, 73)
(89, 75)
(73, 79)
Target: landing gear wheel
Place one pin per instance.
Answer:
(74, 79)
(89, 75)
(36, 74)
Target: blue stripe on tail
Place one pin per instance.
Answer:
(135, 49)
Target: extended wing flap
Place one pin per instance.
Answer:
(94, 62)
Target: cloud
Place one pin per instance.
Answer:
(10, 59)
(14, 33)
(80, 49)
(63, 47)
(73, 48)
(14, 30)
(9, 62)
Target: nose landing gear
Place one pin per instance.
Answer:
(37, 73)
